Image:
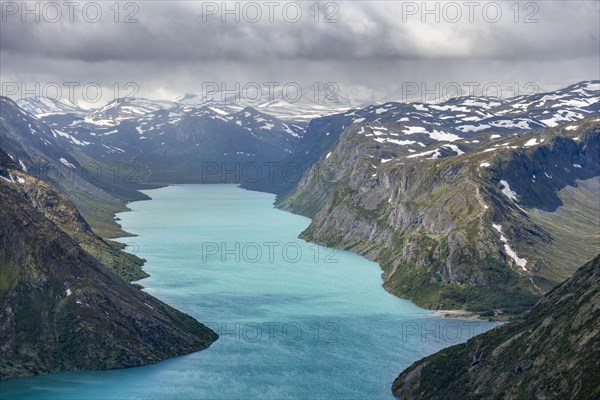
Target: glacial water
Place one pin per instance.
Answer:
(297, 321)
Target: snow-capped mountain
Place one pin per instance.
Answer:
(417, 131)
(410, 127)
(294, 102)
(140, 128)
(126, 108)
(43, 152)
(174, 141)
(41, 106)
(200, 100)
(551, 109)
(29, 141)
(160, 125)
(366, 148)
(490, 194)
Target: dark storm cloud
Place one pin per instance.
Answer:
(382, 38)
(175, 31)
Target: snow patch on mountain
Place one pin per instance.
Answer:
(521, 262)
(508, 192)
(66, 162)
(443, 136)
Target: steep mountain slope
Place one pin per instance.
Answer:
(59, 209)
(551, 353)
(457, 218)
(456, 125)
(449, 128)
(185, 140)
(62, 310)
(48, 154)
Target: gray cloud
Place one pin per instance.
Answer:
(374, 43)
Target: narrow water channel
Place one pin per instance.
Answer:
(296, 320)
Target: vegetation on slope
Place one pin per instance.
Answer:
(62, 310)
(553, 352)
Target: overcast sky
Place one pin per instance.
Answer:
(175, 47)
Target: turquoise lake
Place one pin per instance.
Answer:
(296, 320)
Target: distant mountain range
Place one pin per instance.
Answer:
(40, 106)
(288, 101)
(454, 185)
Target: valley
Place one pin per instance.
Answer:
(281, 320)
(303, 200)
(483, 205)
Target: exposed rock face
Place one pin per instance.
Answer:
(60, 308)
(445, 230)
(552, 353)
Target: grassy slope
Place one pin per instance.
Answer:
(580, 213)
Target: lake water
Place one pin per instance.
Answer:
(297, 321)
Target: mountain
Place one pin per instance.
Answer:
(476, 203)
(171, 142)
(40, 106)
(290, 102)
(469, 204)
(60, 308)
(465, 122)
(55, 157)
(126, 108)
(30, 141)
(551, 353)
(204, 100)
(62, 212)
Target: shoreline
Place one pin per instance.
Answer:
(459, 314)
(444, 313)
